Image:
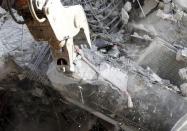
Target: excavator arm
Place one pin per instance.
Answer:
(50, 20)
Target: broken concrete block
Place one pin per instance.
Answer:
(181, 55)
(183, 73)
(119, 80)
(166, 15)
(183, 88)
(160, 56)
(125, 16)
(148, 6)
(163, 15)
(128, 6)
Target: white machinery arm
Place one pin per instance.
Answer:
(66, 22)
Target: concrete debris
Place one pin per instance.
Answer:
(183, 73)
(119, 80)
(114, 52)
(181, 55)
(165, 29)
(163, 15)
(128, 6)
(183, 89)
(167, 15)
(139, 86)
(179, 15)
(125, 16)
(88, 74)
(2, 11)
(85, 71)
(145, 29)
(148, 6)
(118, 37)
(175, 88)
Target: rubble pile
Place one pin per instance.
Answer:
(135, 73)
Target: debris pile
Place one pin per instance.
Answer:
(135, 72)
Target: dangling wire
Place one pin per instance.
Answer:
(12, 14)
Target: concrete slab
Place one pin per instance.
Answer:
(160, 56)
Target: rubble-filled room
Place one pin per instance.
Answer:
(93, 65)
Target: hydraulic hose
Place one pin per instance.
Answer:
(12, 14)
(33, 13)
